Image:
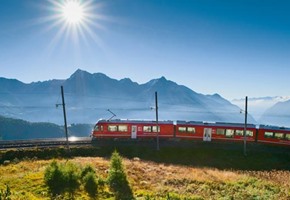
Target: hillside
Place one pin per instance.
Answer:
(89, 96)
(17, 129)
(278, 114)
(11, 129)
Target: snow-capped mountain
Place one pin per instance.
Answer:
(89, 96)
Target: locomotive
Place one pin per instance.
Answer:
(195, 130)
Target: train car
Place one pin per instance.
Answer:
(133, 129)
(190, 130)
(274, 135)
(208, 131)
(203, 131)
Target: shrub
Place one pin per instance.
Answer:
(54, 178)
(90, 184)
(86, 170)
(71, 177)
(117, 178)
(61, 178)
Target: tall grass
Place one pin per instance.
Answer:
(5, 193)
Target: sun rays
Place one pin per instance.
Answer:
(75, 21)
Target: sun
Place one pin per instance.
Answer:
(73, 12)
(77, 22)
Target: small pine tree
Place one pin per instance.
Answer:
(54, 178)
(71, 178)
(91, 184)
(86, 170)
(117, 178)
(60, 178)
(89, 180)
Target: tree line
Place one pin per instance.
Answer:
(18, 129)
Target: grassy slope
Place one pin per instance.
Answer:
(198, 171)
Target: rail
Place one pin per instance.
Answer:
(42, 143)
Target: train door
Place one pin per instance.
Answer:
(134, 132)
(207, 134)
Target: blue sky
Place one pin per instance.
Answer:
(235, 48)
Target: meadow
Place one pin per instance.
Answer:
(183, 172)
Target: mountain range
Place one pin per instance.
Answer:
(89, 97)
(279, 114)
(268, 110)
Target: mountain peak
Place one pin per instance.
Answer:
(162, 78)
(216, 95)
(126, 80)
(80, 72)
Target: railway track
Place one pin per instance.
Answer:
(44, 143)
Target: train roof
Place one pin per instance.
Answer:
(197, 123)
(217, 124)
(135, 121)
(179, 122)
(276, 128)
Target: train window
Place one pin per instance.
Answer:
(229, 132)
(220, 131)
(268, 134)
(191, 129)
(279, 135)
(123, 128)
(239, 132)
(147, 128)
(287, 136)
(249, 133)
(154, 129)
(112, 128)
(96, 128)
(182, 129)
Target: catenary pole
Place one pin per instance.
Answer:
(64, 116)
(156, 109)
(245, 127)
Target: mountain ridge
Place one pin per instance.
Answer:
(277, 114)
(271, 110)
(88, 96)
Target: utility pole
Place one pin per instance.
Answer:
(156, 109)
(64, 116)
(245, 128)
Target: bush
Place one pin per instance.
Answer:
(54, 178)
(86, 170)
(89, 180)
(71, 177)
(91, 184)
(61, 178)
(117, 178)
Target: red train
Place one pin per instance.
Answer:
(206, 131)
